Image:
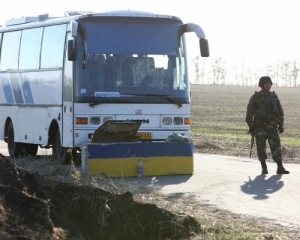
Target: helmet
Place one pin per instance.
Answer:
(263, 80)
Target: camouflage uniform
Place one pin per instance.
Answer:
(265, 118)
(268, 114)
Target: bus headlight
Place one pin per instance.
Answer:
(105, 119)
(167, 121)
(95, 121)
(178, 121)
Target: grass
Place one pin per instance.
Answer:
(290, 141)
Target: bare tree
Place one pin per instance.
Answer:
(196, 61)
(203, 71)
(295, 71)
(219, 71)
(270, 68)
(255, 77)
(285, 72)
(250, 75)
(236, 74)
(241, 73)
(276, 72)
(200, 67)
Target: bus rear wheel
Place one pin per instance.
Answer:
(19, 149)
(14, 148)
(60, 153)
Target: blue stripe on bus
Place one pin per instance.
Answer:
(8, 94)
(27, 91)
(16, 88)
(7, 89)
(139, 149)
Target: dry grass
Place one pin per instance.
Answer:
(221, 224)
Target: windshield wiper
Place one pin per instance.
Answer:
(93, 104)
(167, 97)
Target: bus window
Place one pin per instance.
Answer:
(68, 79)
(10, 50)
(53, 46)
(30, 48)
(0, 41)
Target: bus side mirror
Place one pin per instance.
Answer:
(204, 49)
(74, 28)
(72, 53)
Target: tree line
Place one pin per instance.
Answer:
(220, 71)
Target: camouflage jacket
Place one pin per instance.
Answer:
(264, 108)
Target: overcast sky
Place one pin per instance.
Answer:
(257, 30)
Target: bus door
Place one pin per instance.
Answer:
(68, 106)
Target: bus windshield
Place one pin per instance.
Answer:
(130, 61)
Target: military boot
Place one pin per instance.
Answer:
(264, 169)
(281, 169)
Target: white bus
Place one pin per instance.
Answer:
(61, 78)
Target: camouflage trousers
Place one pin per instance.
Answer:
(266, 132)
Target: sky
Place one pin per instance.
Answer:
(258, 31)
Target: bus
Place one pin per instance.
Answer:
(61, 78)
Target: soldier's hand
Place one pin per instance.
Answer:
(251, 130)
(280, 129)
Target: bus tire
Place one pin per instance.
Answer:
(14, 148)
(60, 153)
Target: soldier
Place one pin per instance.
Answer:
(265, 119)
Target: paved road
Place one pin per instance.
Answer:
(234, 184)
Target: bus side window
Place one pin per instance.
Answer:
(10, 50)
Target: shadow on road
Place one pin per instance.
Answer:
(260, 187)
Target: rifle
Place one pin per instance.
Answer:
(252, 143)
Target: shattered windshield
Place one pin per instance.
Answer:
(122, 61)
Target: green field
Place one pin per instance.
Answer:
(218, 120)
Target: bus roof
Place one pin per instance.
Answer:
(129, 13)
(44, 19)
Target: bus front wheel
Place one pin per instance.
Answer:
(60, 153)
